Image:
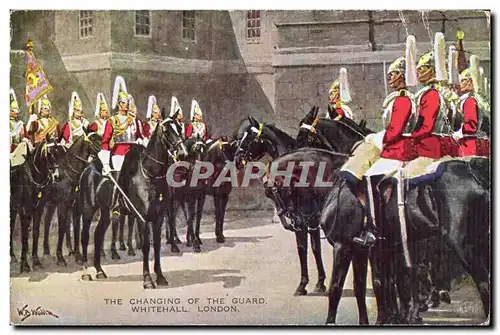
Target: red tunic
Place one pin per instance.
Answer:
(468, 145)
(426, 143)
(189, 131)
(120, 148)
(340, 111)
(395, 145)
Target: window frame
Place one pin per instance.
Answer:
(253, 40)
(150, 24)
(193, 28)
(90, 15)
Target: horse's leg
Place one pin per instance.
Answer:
(77, 231)
(301, 239)
(360, 269)
(341, 261)
(219, 224)
(68, 235)
(148, 282)
(131, 221)
(87, 215)
(189, 208)
(316, 248)
(160, 279)
(377, 285)
(25, 223)
(403, 283)
(36, 234)
(199, 213)
(13, 215)
(171, 213)
(99, 234)
(121, 233)
(116, 219)
(51, 207)
(62, 215)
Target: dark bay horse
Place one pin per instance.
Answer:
(62, 192)
(257, 141)
(452, 205)
(28, 182)
(143, 180)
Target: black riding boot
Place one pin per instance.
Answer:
(367, 237)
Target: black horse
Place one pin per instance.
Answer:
(257, 141)
(453, 205)
(143, 181)
(191, 198)
(28, 182)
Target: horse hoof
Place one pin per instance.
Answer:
(148, 285)
(161, 281)
(199, 241)
(445, 297)
(37, 263)
(175, 249)
(300, 291)
(320, 288)
(330, 320)
(61, 262)
(25, 267)
(220, 239)
(71, 253)
(87, 277)
(196, 248)
(101, 275)
(424, 308)
(189, 243)
(123, 247)
(78, 259)
(114, 255)
(177, 240)
(131, 252)
(46, 253)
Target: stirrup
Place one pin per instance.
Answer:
(366, 239)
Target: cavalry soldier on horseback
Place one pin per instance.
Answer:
(18, 132)
(197, 127)
(472, 107)
(394, 144)
(139, 125)
(153, 115)
(339, 96)
(77, 125)
(101, 114)
(177, 116)
(120, 131)
(433, 109)
(44, 124)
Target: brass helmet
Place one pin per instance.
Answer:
(341, 85)
(195, 109)
(100, 104)
(44, 103)
(120, 93)
(472, 72)
(75, 104)
(436, 58)
(152, 106)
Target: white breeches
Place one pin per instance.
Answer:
(117, 162)
(384, 166)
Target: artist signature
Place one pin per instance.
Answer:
(27, 312)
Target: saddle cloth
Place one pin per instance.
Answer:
(17, 157)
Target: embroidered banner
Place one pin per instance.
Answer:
(37, 83)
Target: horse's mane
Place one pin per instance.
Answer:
(289, 140)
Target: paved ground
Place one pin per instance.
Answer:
(253, 276)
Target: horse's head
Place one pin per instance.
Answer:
(197, 148)
(169, 138)
(94, 142)
(50, 154)
(307, 127)
(251, 144)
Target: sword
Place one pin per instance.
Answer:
(126, 198)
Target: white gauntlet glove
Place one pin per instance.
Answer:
(458, 134)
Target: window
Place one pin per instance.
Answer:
(188, 23)
(142, 23)
(253, 24)
(86, 23)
